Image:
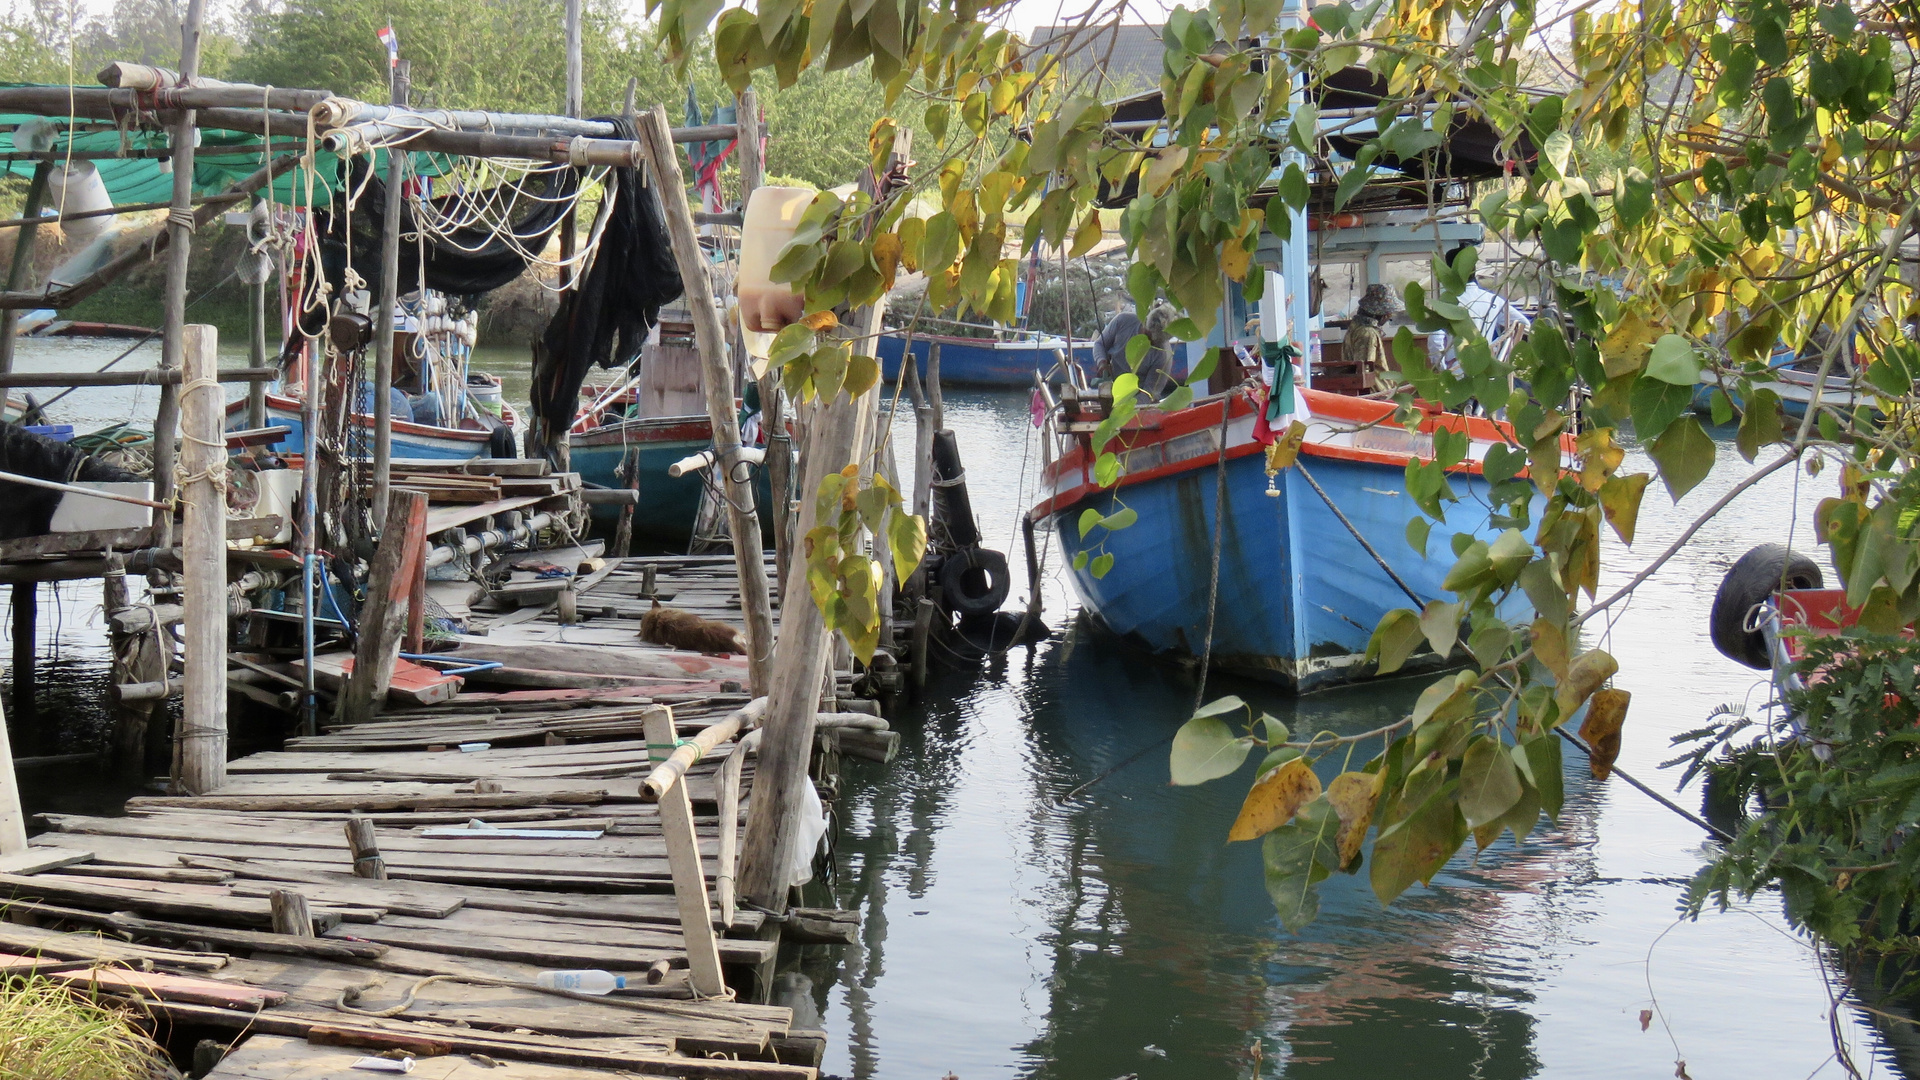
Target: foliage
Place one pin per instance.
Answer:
(47, 1030)
(1837, 774)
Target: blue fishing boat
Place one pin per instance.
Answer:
(1010, 361)
(1795, 387)
(1298, 595)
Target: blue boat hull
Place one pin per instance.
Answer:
(1298, 597)
(979, 362)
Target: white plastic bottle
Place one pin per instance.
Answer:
(588, 981)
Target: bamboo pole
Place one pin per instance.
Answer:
(181, 224)
(203, 716)
(575, 94)
(683, 860)
(22, 260)
(389, 296)
(743, 525)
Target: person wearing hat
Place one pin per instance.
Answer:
(1365, 345)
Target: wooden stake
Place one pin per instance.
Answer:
(290, 915)
(180, 227)
(728, 807)
(367, 862)
(683, 858)
(383, 618)
(22, 266)
(383, 333)
(13, 823)
(917, 651)
(743, 524)
(203, 714)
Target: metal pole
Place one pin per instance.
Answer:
(180, 226)
(383, 336)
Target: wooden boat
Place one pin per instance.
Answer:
(470, 440)
(1298, 595)
(1795, 387)
(971, 361)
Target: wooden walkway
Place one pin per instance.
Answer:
(516, 837)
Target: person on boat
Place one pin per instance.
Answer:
(1365, 346)
(1499, 320)
(1110, 348)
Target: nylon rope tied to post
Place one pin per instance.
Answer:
(658, 753)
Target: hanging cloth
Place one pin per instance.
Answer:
(605, 317)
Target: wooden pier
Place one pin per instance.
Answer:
(396, 886)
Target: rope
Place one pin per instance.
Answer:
(1718, 832)
(1325, 498)
(349, 995)
(1213, 581)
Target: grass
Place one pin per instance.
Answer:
(47, 1030)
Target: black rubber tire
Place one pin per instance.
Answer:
(974, 581)
(500, 443)
(1757, 576)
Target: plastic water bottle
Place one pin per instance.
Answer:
(588, 981)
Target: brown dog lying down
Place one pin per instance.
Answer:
(684, 630)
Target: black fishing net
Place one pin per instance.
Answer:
(605, 317)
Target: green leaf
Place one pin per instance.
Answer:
(1080, 560)
(1543, 768)
(1656, 404)
(1106, 469)
(1509, 554)
(1673, 361)
(1440, 622)
(1297, 857)
(1204, 749)
(1633, 198)
(1417, 532)
(1489, 784)
(1121, 519)
(1220, 706)
(791, 341)
(1473, 567)
(907, 540)
(1416, 847)
(1088, 519)
(1760, 425)
(1101, 565)
(1685, 455)
(1394, 640)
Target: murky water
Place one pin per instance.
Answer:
(1010, 931)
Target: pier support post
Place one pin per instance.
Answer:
(743, 523)
(367, 862)
(383, 334)
(26, 618)
(290, 913)
(203, 714)
(180, 227)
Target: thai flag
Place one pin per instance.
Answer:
(392, 41)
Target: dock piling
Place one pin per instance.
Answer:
(203, 460)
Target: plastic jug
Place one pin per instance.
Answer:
(586, 981)
(767, 306)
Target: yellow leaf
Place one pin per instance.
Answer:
(1598, 457)
(1606, 714)
(1087, 235)
(1161, 169)
(886, 257)
(1584, 676)
(821, 321)
(1352, 796)
(1625, 349)
(1550, 645)
(1273, 801)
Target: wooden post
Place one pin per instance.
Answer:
(568, 223)
(934, 403)
(367, 862)
(918, 656)
(26, 617)
(383, 332)
(415, 638)
(383, 617)
(180, 226)
(290, 915)
(743, 524)
(22, 267)
(728, 807)
(753, 166)
(683, 858)
(203, 459)
(13, 823)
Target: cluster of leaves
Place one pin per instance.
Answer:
(1835, 777)
(1446, 779)
(843, 580)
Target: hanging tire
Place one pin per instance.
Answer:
(974, 581)
(1752, 581)
(500, 443)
